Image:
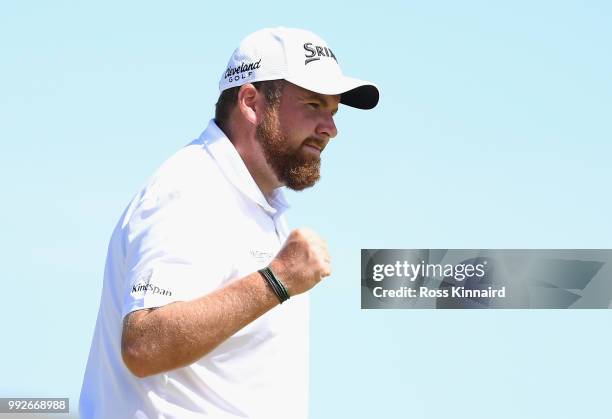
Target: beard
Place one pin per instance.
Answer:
(293, 167)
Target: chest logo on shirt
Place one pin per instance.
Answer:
(261, 256)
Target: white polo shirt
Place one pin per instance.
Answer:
(199, 223)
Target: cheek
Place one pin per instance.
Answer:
(298, 130)
(295, 133)
(297, 122)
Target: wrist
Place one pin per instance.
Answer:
(275, 283)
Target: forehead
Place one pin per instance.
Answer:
(296, 92)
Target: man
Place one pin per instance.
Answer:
(204, 311)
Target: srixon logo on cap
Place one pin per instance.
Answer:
(315, 52)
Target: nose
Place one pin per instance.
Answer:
(327, 127)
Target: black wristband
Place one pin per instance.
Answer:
(275, 283)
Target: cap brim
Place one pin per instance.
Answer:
(356, 93)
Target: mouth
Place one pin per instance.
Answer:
(314, 147)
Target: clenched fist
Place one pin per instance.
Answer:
(302, 262)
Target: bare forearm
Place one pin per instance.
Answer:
(180, 333)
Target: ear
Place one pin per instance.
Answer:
(250, 103)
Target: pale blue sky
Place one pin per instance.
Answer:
(493, 130)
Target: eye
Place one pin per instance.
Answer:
(313, 105)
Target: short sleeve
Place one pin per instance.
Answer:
(171, 250)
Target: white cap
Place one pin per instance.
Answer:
(300, 57)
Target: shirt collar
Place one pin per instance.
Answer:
(229, 161)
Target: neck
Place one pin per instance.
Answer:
(259, 169)
(252, 155)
